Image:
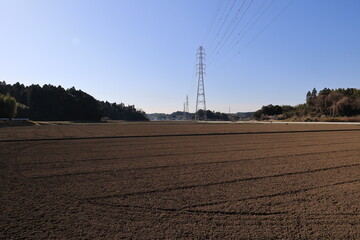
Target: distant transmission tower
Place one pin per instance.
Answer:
(184, 112)
(200, 99)
(187, 108)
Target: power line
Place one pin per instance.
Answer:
(232, 6)
(267, 26)
(226, 31)
(247, 8)
(212, 22)
(243, 33)
(262, 30)
(216, 27)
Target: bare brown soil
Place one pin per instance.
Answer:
(180, 180)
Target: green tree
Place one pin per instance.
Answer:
(308, 97)
(7, 106)
(314, 93)
(257, 115)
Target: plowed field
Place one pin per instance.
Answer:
(180, 180)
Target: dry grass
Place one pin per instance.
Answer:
(342, 119)
(324, 118)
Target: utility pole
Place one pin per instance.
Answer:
(200, 99)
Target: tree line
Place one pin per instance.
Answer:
(180, 115)
(323, 105)
(212, 115)
(53, 103)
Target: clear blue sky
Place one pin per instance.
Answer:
(142, 52)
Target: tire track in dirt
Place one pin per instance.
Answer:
(186, 165)
(291, 192)
(177, 154)
(222, 182)
(210, 142)
(189, 209)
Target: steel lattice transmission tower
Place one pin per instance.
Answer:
(200, 99)
(186, 108)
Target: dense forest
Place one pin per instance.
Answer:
(328, 105)
(213, 116)
(179, 115)
(53, 103)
